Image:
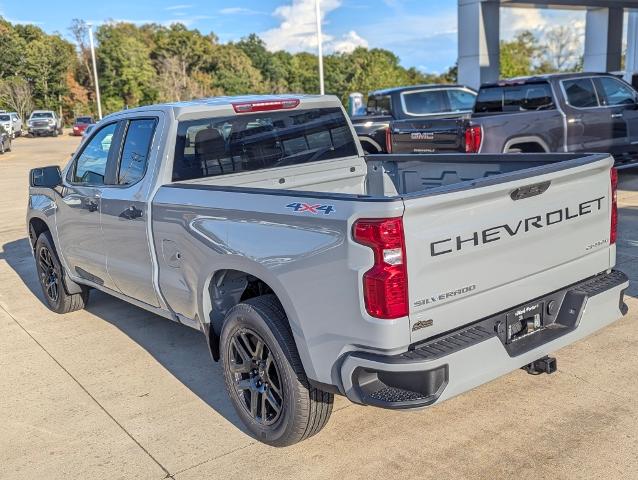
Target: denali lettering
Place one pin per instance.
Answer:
(422, 136)
(493, 234)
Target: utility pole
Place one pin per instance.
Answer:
(320, 44)
(97, 85)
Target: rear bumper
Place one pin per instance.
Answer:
(458, 361)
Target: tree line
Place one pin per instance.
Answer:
(144, 64)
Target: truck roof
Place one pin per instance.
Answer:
(426, 86)
(543, 78)
(213, 103)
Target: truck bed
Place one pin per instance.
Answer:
(399, 175)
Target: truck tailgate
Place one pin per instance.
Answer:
(500, 242)
(428, 136)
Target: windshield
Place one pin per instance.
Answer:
(41, 115)
(84, 120)
(5, 118)
(220, 146)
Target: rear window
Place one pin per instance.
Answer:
(84, 120)
(223, 145)
(380, 105)
(425, 102)
(5, 118)
(461, 100)
(515, 98)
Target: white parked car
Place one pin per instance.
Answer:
(16, 121)
(44, 122)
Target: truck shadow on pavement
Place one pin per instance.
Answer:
(179, 349)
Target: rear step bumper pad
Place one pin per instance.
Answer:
(456, 362)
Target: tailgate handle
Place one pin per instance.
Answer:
(530, 190)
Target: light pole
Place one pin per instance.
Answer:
(320, 44)
(97, 85)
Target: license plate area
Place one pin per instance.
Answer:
(524, 321)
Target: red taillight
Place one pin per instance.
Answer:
(613, 229)
(473, 139)
(388, 140)
(385, 285)
(249, 107)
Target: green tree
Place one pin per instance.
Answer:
(519, 55)
(12, 48)
(127, 75)
(233, 73)
(275, 67)
(46, 62)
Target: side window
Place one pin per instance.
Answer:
(580, 93)
(533, 96)
(425, 102)
(614, 92)
(137, 145)
(490, 99)
(461, 100)
(90, 166)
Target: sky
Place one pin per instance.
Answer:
(423, 33)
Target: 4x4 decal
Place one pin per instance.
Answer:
(314, 209)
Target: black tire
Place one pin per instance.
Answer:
(51, 277)
(54, 133)
(9, 147)
(303, 409)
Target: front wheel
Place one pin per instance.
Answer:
(50, 274)
(265, 378)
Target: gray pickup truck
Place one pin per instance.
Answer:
(398, 281)
(574, 112)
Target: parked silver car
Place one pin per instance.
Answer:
(44, 122)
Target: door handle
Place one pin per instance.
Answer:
(616, 115)
(131, 213)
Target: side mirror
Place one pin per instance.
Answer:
(46, 177)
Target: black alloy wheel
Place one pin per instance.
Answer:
(49, 274)
(256, 377)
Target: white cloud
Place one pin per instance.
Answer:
(539, 21)
(348, 42)
(240, 11)
(298, 29)
(179, 7)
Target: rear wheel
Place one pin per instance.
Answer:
(51, 276)
(265, 378)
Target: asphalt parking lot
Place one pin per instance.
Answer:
(115, 392)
